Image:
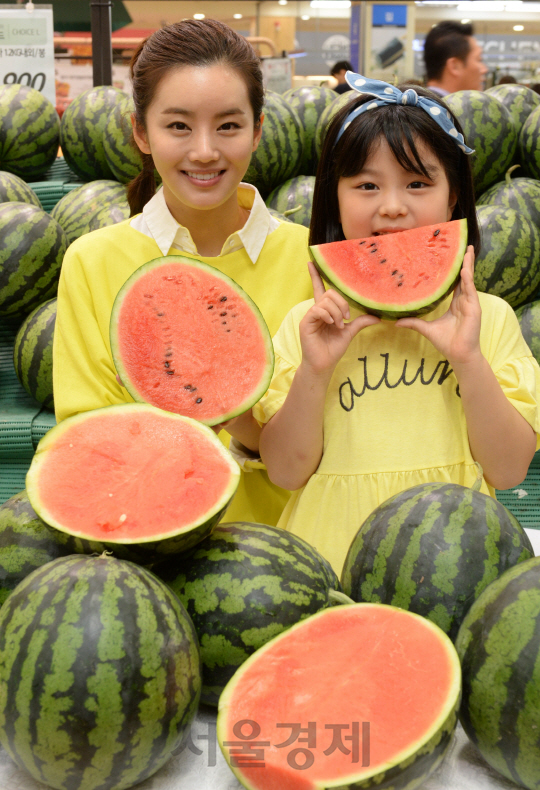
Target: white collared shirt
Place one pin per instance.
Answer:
(157, 222)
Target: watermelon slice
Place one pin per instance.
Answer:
(363, 694)
(132, 475)
(397, 274)
(188, 339)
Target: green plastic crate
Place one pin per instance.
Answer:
(524, 500)
(57, 182)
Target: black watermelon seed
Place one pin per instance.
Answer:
(169, 372)
(228, 330)
(361, 242)
(187, 386)
(394, 272)
(225, 313)
(375, 250)
(399, 285)
(223, 299)
(436, 233)
(199, 400)
(160, 314)
(372, 244)
(210, 307)
(383, 260)
(168, 353)
(223, 322)
(167, 364)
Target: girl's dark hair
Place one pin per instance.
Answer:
(190, 42)
(402, 126)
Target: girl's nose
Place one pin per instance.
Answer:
(203, 149)
(392, 205)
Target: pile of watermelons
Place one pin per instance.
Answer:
(99, 657)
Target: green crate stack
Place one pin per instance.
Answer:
(57, 182)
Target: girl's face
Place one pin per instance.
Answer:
(200, 132)
(385, 198)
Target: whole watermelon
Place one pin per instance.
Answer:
(122, 155)
(432, 549)
(32, 247)
(99, 674)
(33, 353)
(244, 584)
(280, 150)
(81, 131)
(529, 144)
(490, 130)
(509, 261)
(520, 194)
(294, 197)
(529, 321)
(26, 543)
(519, 100)
(499, 648)
(309, 102)
(29, 132)
(14, 190)
(326, 119)
(109, 215)
(76, 210)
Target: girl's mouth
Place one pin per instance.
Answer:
(385, 231)
(203, 179)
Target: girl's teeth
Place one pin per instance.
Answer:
(203, 176)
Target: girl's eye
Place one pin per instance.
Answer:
(229, 126)
(368, 187)
(417, 184)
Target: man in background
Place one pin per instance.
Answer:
(453, 59)
(338, 71)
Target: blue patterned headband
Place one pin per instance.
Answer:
(388, 94)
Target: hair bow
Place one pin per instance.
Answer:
(388, 94)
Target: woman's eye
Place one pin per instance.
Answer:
(178, 126)
(229, 126)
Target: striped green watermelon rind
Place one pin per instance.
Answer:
(432, 550)
(387, 310)
(279, 154)
(33, 353)
(29, 132)
(135, 389)
(14, 190)
(99, 674)
(529, 145)
(278, 215)
(142, 550)
(296, 193)
(122, 156)
(326, 119)
(32, 247)
(509, 261)
(519, 100)
(409, 773)
(309, 102)
(26, 543)
(529, 320)
(81, 131)
(109, 215)
(499, 648)
(244, 584)
(77, 210)
(520, 194)
(490, 130)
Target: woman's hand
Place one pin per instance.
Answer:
(324, 335)
(456, 334)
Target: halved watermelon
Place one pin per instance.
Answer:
(354, 696)
(132, 475)
(187, 338)
(397, 274)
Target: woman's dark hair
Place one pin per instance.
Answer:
(402, 126)
(190, 42)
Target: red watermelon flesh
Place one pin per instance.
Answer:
(365, 664)
(188, 339)
(130, 473)
(396, 274)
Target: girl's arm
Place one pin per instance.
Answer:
(291, 443)
(501, 440)
(245, 429)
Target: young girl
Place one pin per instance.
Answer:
(360, 411)
(198, 94)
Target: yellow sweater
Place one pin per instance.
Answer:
(94, 269)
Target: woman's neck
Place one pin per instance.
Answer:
(210, 228)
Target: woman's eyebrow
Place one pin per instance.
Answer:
(182, 111)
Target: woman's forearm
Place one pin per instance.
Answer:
(291, 443)
(501, 440)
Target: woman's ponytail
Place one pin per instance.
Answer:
(143, 187)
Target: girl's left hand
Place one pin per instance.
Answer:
(456, 334)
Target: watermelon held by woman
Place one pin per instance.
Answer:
(359, 696)
(99, 674)
(396, 274)
(132, 476)
(432, 550)
(499, 648)
(188, 339)
(242, 585)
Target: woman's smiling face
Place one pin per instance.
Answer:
(201, 134)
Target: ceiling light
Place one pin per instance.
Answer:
(305, 17)
(517, 28)
(465, 21)
(330, 3)
(282, 2)
(198, 16)
(237, 16)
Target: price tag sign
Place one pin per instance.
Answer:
(27, 47)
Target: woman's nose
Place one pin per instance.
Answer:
(203, 149)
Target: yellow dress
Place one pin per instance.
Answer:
(393, 419)
(94, 269)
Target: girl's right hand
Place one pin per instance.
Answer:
(324, 335)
